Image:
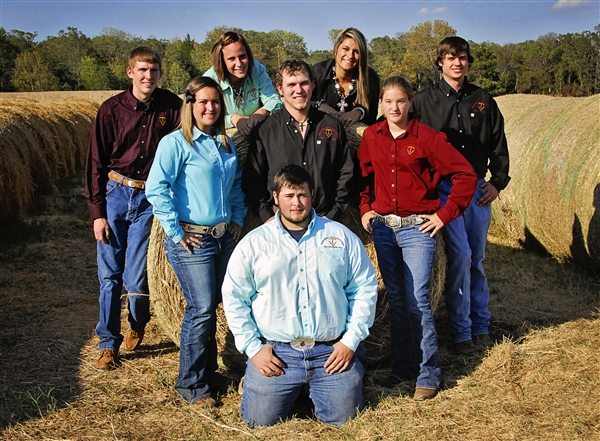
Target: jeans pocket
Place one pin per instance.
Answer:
(110, 186)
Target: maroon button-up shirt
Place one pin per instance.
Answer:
(402, 174)
(124, 138)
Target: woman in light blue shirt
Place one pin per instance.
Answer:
(249, 93)
(194, 186)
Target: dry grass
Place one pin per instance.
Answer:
(554, 197)
(540, 382)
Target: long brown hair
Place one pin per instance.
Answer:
(362, 83)
(187, 113)
(216, 56)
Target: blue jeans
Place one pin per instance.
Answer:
(405, 257)
(337, 397)
(200, 275)
(123, 261)
(467, 292)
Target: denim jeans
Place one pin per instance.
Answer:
(405, 257)
(123, 261)
(200, 275)
(467, 292)
(336, 397)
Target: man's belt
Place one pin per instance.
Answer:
(216, 231)
(394, 221)
(302, 344)
(124, 180)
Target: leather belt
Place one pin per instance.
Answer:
(216, 231)
(302, 344)
(124, 180)
(394, 221)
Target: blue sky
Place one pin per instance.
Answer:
(497, 21)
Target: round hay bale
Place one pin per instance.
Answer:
(169, 304)
(554, 196)
(39, 144)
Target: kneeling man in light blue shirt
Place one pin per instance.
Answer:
(300, 296)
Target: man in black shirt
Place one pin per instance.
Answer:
(475, 127)
(302, 135)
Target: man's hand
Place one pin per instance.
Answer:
(366, 220)
(267, 363)
(340, 358)
(433, 224)
(101, 230)
(190, 240)
(490, 194)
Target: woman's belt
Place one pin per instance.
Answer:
(216, 231)
(393, 221)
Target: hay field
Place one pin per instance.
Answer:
(553, 199)
(539, 382)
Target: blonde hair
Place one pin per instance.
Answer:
(187, 113)
(362, 84)
(396, 82)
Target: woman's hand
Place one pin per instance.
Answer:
(367, 219)
(235, 230)
(433, 222)
(350, 118)
(324, 107)
(191, 240)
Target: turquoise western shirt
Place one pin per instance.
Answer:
(199, 184)
(259, 93)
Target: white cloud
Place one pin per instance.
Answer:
(424, 11)
(567, 3)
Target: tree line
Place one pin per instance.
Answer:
(554, 64)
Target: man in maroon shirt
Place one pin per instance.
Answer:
(124, 139)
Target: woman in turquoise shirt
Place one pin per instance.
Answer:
(249, 93)
(194, 186)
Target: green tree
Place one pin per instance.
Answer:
(175, 78)
(386, 55)
(418, 63)
(93, 75)
(484, 70)
(63, 55)
(538, 65)
(318, 56)
(112, 48)
(32, 74)
(333, 35)
(577, 68)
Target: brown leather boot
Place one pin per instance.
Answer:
(133, 339)
(108, 359)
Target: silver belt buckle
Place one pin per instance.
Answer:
(393, 221)
(301, 344)
(218, 230)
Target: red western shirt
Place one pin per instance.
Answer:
(400, 176)
(124, 138)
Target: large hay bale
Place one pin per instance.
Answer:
(169, 304)
(39, 144)
(554, 196)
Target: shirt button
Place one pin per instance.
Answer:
(393, 170)
(392, 185)
(301, 270)
(463, 146)
(459, 116)
(142, 142)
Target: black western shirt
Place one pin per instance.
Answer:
(473, 123)
(323, 152)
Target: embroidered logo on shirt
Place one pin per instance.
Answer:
(332, 242)
(410, 149)
(162, 119)
(480, 107)
(252, 95)
(328, 133)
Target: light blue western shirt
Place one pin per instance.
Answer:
(322, 287)
(199, 184)
(259, 93)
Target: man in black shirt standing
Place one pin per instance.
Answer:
(475, 127)
(301, 135)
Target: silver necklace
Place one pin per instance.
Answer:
(239, 95)
(342, 104)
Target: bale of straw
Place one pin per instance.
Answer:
(169, 304)
(554, 196)
(39, 144)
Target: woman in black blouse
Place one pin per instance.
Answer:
(346, 87)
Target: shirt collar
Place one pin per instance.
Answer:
(280, 226)
(384, 128)
(449, 90)
(132, 101)
(197, 133)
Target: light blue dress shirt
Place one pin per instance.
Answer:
(259, 93)
(199, 184)
(322, 287)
